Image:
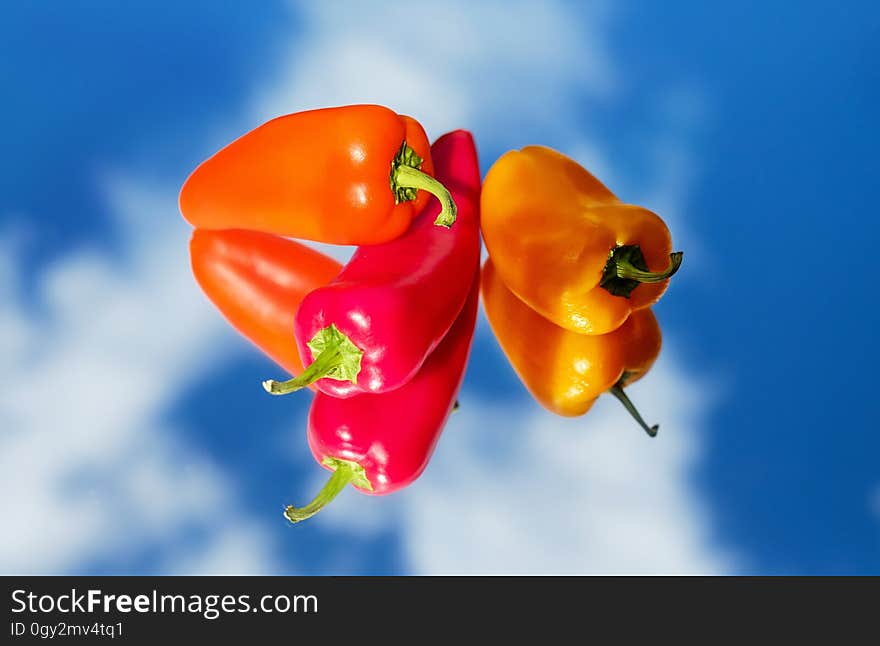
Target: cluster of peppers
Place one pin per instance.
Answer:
(384, 341)
(571, 275)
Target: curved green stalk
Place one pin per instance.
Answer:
(345, 472)
(626, 269)
(409, 177)
(323, 364)
(623, 269)
(335, 357)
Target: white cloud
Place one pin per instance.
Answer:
(452, 64)
(87, 467)
(532, 493)
(234, 550)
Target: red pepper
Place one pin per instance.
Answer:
(257, 281)
(372, 328)
(351, 175)
(382, 443)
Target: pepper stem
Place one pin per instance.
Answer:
(409, 177)
(617, 391)
(624, 269)
(323, 364)
(335, 357)
(345, 472)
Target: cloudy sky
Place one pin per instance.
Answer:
(134, 436)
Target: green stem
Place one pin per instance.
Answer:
(617, 391)
(341, 478)
(334, 356)
(409, 177)
(345, 472)
(324, 363)
(624, 269)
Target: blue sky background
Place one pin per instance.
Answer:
(750, 128)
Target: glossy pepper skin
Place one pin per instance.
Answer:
(563, 370)
(373, 326)
(567, 246)
(382, 443)
(337, 175)
(257, 281)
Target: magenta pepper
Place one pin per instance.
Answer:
(372, 328)
(382, 443)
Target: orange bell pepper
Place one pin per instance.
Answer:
(567, 246)
(350, 175)
(258, 281)
(565, 371)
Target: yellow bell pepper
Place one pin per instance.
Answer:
(567, 246)
(565, 371)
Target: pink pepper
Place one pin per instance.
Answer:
(371, 329)
(382, 443)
